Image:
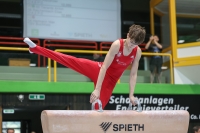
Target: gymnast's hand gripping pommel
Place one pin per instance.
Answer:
(139, 108)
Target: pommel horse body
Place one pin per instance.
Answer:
(112, 121)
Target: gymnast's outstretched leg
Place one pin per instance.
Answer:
(84, 66)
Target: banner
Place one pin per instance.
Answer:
(159, 102)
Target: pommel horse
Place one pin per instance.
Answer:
(113, 121)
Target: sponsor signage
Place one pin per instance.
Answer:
(159, 102)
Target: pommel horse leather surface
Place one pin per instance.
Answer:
(110, 121)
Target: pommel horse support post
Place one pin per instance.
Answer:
(113, 121)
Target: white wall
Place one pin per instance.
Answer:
(188, 52)
(187, 75)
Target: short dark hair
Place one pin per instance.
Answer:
(10, 129)
(196, 128)
(137, 33)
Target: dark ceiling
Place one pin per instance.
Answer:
(127, 5)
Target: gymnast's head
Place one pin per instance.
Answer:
(136, 35)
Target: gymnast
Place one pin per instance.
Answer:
(105, 74)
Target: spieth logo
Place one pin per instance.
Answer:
(105, 126)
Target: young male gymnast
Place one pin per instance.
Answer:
(105, 74)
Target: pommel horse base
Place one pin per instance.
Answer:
(112, 121)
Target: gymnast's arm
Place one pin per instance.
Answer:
(108, 60)
(133, 75)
